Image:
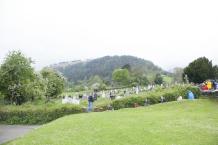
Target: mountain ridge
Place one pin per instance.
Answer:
(78, 70)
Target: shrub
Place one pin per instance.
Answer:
(153, 97)
(36, 115)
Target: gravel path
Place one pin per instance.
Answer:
(10, 132)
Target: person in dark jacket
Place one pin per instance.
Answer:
(95, 96)
(90, 103)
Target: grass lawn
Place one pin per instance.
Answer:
(175, 123)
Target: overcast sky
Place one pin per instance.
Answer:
(168, 32)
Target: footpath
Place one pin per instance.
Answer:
(11, 132)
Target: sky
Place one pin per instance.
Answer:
(169, 33)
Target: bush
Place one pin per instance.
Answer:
(36, 115)
(129, 102)
(153, 97)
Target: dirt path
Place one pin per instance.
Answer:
(10, 132)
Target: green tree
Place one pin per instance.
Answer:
(96, 83)
(137, 79)
(36, 88)
(215, 70)
(55, 82)
(158, 79)
(121, 76)
(199, 70)
(16, 74)
(128, 67)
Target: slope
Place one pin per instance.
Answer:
(175, 123)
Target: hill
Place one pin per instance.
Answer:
(175, 123)
(82, 70)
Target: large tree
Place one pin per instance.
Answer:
(54, 82)
(16, 74)
(121, 76)
(199, 70)
(138, 77)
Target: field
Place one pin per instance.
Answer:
(174, 123)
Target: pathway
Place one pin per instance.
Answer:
(11, 132)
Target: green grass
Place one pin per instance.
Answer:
(175, 123)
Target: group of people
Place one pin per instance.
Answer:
(209, 85)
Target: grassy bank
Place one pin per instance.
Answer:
(174, 123)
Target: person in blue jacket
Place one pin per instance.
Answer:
(191, 96)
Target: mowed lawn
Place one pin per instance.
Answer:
(176, 123)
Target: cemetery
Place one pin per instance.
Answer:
(97, 72)
(130, 109)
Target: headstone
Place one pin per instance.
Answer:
(103, 94)
(118, 97)
(179, 98)
(162, 99)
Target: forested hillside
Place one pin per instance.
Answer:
(103, 67)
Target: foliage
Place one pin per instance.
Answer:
(158, 79)
(174, 123)
(138, 77)
(96, 83)
(215, 70)
(104, 67)
(167, 79)
(54, 82)
(170, 94)
(36, 89)
(40, 114)
(128, 67)
(78, 88)
(121, 76)
(16, 75)
(200, 70)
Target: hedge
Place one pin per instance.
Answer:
(153, 97)
(22, 115)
